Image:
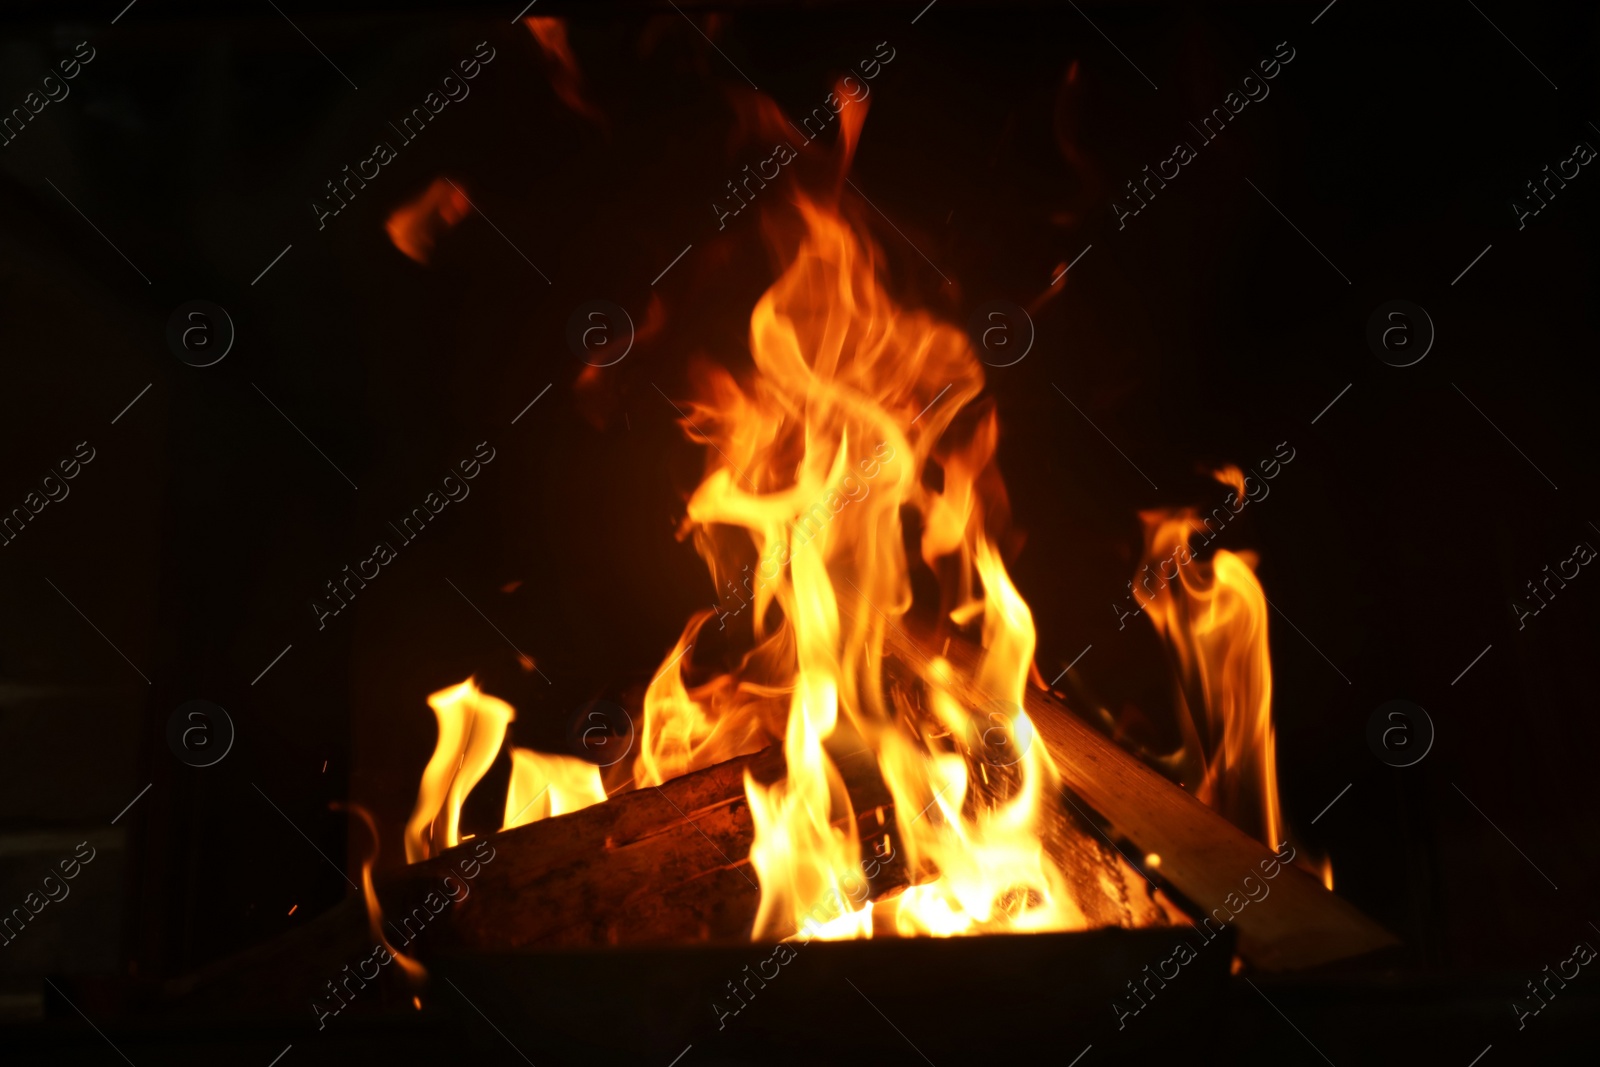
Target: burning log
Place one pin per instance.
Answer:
(660, 864)
(1206, 858)
(669, 865)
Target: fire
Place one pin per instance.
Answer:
(416, 226)
(858, 413)
(413, 969)
(1212, 614)
(472, 727)
(472, 730)
(544, 785)
(811, 462)
(562, 66)
(994, 873)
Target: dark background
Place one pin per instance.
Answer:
(1207, 330)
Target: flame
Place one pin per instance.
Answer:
(562, 66)
(416, 226)
(1212, 614)
(472, 726)
(414, 970)
(543, 785)
(995, 874)
(859, 412)
(809, 465)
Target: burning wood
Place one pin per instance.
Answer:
(1203, 856)
(670, 864)
(947, 767)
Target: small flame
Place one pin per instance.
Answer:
(416, 226)
(412, 968)
(565, 77)
(543, 785)
(472, 726)
(472, 729)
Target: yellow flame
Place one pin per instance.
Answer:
(810, 463)
(543, 785)
(856, 408)
(472, 727)
(993, 870)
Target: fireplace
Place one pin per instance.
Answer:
(795, 533)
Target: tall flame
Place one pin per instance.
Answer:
(1212, 614)
(810, 463)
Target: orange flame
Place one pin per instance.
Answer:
(413, 969)
(472, 726)
(1212, 614)
(856, 409)
(565, 77)
(416, 226)
(809, 467)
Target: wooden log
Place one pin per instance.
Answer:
(670, 865)
(659, 865)
(647, 867)
(1299, 924)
